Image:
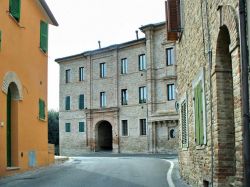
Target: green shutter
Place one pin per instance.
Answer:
(0, 39)
(67, 103)
(199, 87)
(197, 121)
(81, 126)
(67, 127)
(44, 36)
(41, 109)
(15, 8)
(81, 101)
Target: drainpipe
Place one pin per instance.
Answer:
(245, 91)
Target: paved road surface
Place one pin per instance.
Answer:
(103, 171)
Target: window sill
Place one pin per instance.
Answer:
(143, 135)
(44, 53)
(14, 20)
(41, 119)
(184, 149)
(124, 136)
(12, 168)
(200, 147)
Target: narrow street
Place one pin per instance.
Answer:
(103, 170)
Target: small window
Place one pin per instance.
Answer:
(102, 70)
(171, 92)
(142, 62)
(124, 66)
(67, 127)
(81, 126)
(172, 133)
(44, 36)
(41, 109)
(81, 101)
(142, 94)
(67, 103)
(184, 126)
(124, 96)
(81, 73)
(15, 9)
(67, 76)
(170, 56)
(143, 130)
(124, 127)
(102, 99)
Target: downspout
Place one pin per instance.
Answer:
(117, 99)
(209, 53)
(245, 91)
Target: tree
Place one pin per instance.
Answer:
(53, 129)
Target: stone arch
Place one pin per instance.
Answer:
(9, 78)
(104, 135)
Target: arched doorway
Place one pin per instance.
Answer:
(104, 140)
(224, 108)
(12, 125)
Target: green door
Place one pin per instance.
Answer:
(9, 128)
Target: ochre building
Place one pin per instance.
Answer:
(23, 79)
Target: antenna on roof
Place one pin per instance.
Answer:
(136, 32)
(99, 43)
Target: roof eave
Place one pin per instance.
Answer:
(48, 12)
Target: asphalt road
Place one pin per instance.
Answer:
(103, 171)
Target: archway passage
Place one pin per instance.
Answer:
(225, 126)
(12, 125)
(105, 139)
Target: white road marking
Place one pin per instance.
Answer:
(169, 174)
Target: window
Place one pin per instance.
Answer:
(67, 103)
(15, 9)
(142, 62)
(41, 109)
(0, 40)
(81, 126)
(81, 101)
(67, 76)
(184, 126)
(102, 99)
(81, 73)
(44, 36)
(170, 56)
(171, 92)
(198, 110)
(102, 70)
(172, 133)
(124, 66)
(143, 130)
(124, 96)
(67, 127)
(142, 94)
(124, 127)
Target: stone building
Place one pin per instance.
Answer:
(121, 97)
(23, 77)
(209, 90)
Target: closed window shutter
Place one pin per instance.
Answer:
(41, 109)
(67, 103)
(44, 36)
(184, 124)
(0, 39)
(15, 8)
(81, 102)
(199, 89)
(197, 120)
(81, 126)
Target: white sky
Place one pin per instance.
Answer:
(83, 22)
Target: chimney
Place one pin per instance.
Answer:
(99, 43)
(136, 32)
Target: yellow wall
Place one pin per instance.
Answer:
(20, 53)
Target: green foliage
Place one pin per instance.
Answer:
(53, 129)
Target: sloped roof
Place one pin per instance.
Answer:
(48, 12)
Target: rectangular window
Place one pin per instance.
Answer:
(81, 126)
(15, 9)
(102, 99)
(124, 96)
(142, 62)
(198, 110)
(184, 126)
(81, 73)
(124, 127)
(142, 94)
(67, 127)
(0, 40)
(67, 103)
(81, 101)
(41, 109)
(143, 130)
(67, 76)
(44, 36)
(124, 66)
(102, 70)
(171, 92)
(170, 56)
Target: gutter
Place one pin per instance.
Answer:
(245, 90)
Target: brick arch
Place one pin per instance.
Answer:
(104, 135)
(9, 78)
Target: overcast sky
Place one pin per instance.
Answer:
(83, 22)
